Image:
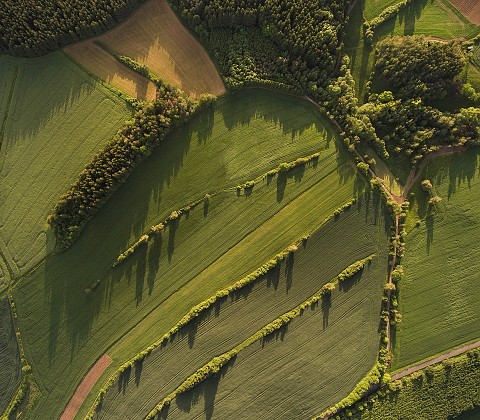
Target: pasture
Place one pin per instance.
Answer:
(154, 36)
(438, 298)
(312, 265)
(208, 248)
(49, 133)
(9, 357)
(103, 65)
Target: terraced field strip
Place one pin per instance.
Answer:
(470, 8)
(218, 330)
(85, 386)
(101, 64)
(154, 36)
(10, 365)
(56, 314)
(309, 365)
(52, 131)
(443, 312)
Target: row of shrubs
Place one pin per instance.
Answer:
(157, 230)
(206, 304)
(218, 362)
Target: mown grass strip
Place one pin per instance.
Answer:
(218, 362)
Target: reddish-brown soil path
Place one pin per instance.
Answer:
(85, 386)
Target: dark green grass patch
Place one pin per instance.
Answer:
(10, 366)
(363, 232)
(439, 297)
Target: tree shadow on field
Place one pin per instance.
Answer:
(345, 285)
(206, 390)
(326, 306)
(410, 14)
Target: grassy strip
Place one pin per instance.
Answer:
(196, 310)
(439, 391)
(218, 362)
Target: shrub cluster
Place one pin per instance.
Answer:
(418, 68)
(388, 13)
(32, 28)
(111, 166)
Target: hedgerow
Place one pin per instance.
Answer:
(32, 28)
(387, 14)
(112, 166)
(218, 362)
(206, 304)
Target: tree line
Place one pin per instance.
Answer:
(112, 165)
(32, 28)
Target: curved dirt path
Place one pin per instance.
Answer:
(85, 387)
(437, 359)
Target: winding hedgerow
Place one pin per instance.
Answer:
(111, 166)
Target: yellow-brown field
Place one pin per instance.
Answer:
(99, 62)
(154, 36)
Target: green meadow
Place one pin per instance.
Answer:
(439, 297)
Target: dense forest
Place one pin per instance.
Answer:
(32, 27)
(288, 42)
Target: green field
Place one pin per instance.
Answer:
(65, 330)
(439, 298)
(10, 366)
(363, 232)
(54, 118)
(319, 357)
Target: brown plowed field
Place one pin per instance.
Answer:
(154, 36)
(470, 8)
(85, 386)
(97, 61)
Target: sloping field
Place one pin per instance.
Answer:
(100, 63)
(305, 368)
(470, 8)
(10, 366)
(363, 232)
(435, 18)
(66, 330)
(55, 119)
(439, 298)
(372, 8)
(154, 36)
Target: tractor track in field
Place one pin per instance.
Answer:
(9, 102)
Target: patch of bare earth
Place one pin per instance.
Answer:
(85, 386)
(470, 8)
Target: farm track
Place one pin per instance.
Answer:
(437, 359)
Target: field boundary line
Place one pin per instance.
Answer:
(83, 389)
(434, 360)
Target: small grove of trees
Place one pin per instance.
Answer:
(418, 68)
(32, 27)
(111, 166)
